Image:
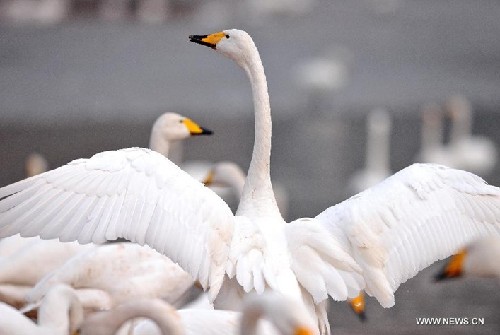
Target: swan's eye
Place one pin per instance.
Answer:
(227, 36)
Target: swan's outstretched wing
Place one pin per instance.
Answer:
(417, 216)
(133, 193)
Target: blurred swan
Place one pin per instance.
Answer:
(378, 128)
(432, 148)
(374, 241)
(169, 130)
(35, 164)
(477, 154)
(35, 11)
(282, 317)
(479, 258)
(60, 312)
(116, 273)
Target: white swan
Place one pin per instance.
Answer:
(285, 317)
(375, 240)
(479, 258)
(60, 314)
(378, 141)
(432, 148)
(167, 132)
(477, 154)
(106, 276)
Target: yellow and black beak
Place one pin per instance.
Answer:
(195, 129)
(358, 306)
(453, 269)
(208, 40)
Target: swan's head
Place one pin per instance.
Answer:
(479, 258)
(454, 268)
(233, 43)
(225, 174)
(172, 126)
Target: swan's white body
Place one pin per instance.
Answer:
(282, 317)
(377, 165)
(60, 314)
(112, 274)
(375, 240)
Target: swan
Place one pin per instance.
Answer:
(432, 148)
(477, 154)
(479, 258)
(60, 314)
(106, 276)
(378, 128)
(171, 128)
(285, 317)
(374, 241)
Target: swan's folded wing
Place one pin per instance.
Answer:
(132, 193)
(417, 216)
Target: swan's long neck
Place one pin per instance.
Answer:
(250, 316)
(378, 142)
(258, 193)
(158, 142)
(168, 148)
(60, 311)
(432, 134)
(461, 126)
(165, 317)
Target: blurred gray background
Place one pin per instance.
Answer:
(83, 76)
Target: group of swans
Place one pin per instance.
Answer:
(374, 241)
(61, 313)
(473, 153)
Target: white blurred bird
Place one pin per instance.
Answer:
(477, 154)
(477, 259)
(378, 142)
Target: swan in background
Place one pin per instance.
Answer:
(322, 75)
(60, 312)
(374, 241)
(35, 164)
(281, 316)
(479, 258)
(35, 11)
(167, 132)
(230, 175)
(378, 129)
(477, 154)
(116, 273)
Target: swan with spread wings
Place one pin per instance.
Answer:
(374, 241)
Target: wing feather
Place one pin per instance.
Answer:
(417, 216)
(132, 193)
